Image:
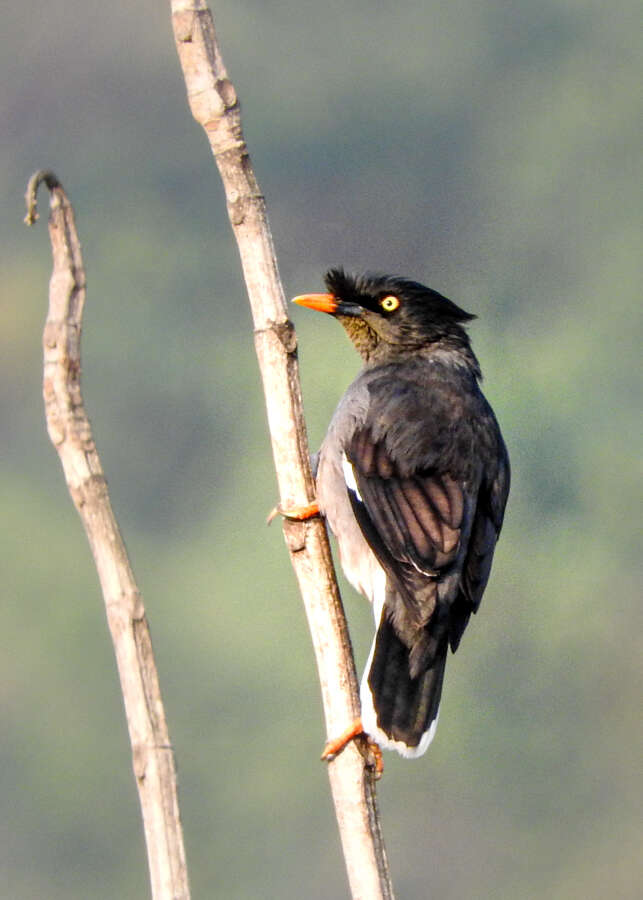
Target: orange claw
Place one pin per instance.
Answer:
(297, 513)
(354, 730)
(335, 746)
(376, 750)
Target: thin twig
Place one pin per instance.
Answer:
(71, 435)
(214, 105)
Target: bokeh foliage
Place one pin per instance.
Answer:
(487, 148)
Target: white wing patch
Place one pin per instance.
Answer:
(349, 477)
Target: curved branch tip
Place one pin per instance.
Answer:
(50, 179)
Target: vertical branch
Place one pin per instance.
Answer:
(215, 107)
(71, 435)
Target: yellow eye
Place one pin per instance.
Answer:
(390, 303)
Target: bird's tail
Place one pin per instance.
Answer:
(398, 711)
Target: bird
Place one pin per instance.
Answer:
(412, 478)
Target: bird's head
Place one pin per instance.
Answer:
(388, 317)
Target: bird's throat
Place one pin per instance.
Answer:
(364, 338)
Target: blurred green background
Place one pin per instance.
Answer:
(488, 148)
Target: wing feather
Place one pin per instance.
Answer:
(424, 511)
(411, 521)
(432, 526)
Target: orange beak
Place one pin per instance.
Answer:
(321, 302)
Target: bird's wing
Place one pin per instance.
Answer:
(414, 512)
(412, 522)
(418, 516)
(485, 530)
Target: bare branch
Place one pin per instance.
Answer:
(214, 105)
(71, 435)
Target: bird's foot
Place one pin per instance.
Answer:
(354, 730)
(296, 513)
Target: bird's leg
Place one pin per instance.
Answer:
(297, 513)
(333, 747)
(355, 729)
(300, 513)
(376, 753)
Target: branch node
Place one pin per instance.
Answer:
(237, 211)
(225, 90)
(183, 25)
(295, 535)
(50, 335)
(285, 331)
